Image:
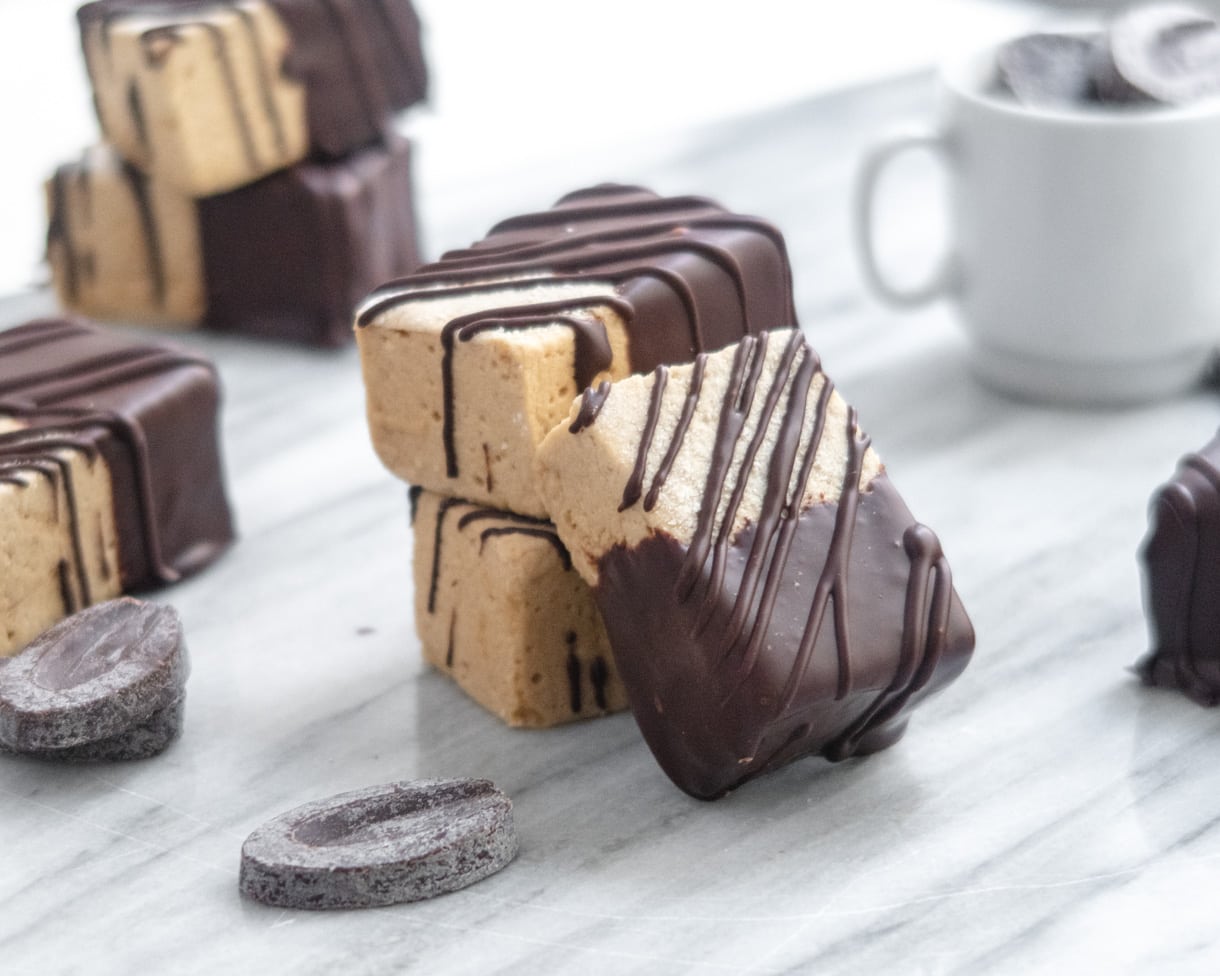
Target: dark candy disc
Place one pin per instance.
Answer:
(381, 845)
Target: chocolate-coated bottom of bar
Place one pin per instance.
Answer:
(736, 680)
(290, 256)
(1181, 561)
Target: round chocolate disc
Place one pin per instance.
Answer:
(381, 845)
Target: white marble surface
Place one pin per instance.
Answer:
(1045, 814)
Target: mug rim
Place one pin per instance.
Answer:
(972, 78)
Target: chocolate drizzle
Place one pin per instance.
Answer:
(809, 628)
(592, 348)
(150, 411)
(684, 275)
(504, 523)
(137, 182)
(591, 403)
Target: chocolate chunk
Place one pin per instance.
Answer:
(1181, 563)
(101, 674)
(1166, 53)
(1049, 70)
(380, 846)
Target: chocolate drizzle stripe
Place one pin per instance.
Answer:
(393, 293)
(748, 361)
(137, 183)
(789, 519)
(779, 512)
(925, 625)
(832, 584)
(509, 523)
(59, 232)
(500, 515)
(591, 403)
(230, 83)
(592, 349)
(634, 487)
(720, 549)
(693, 389)
(437, 537)
(573, 666)
(58, 473)
(599, 677)
(538, 533)
(265, 84)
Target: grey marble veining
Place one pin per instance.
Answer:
(1045, 814)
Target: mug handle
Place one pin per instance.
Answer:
(944, 280)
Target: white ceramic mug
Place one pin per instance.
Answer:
(1085, 254)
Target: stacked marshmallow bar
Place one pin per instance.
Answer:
(110, 474)
(470, 362)
(250, 179)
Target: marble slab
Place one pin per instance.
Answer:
(1045, 814)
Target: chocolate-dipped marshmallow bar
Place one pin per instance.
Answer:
(214, 94)
(110, 474)
(469, 362)
(288, 257)
(766, 592)
(1181, 563)
(500, 609)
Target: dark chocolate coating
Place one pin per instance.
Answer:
(1181, 563)
(360, 61)
(290, 256)
(810, 632)
(98, 675)
(688, 275)
(380, 846)
(150, 410)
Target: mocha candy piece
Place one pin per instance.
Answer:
(1165, 53)
(149, 738)
(101, 674)
(1181, 562)
(1049, 69)
(766, 592)
(380, 846)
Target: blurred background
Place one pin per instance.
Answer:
(515, 84)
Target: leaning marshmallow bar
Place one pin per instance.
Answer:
(110, 475)
(288, 257)
(214, 94)
(469, 362)
(499, 608)
(766, 592)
